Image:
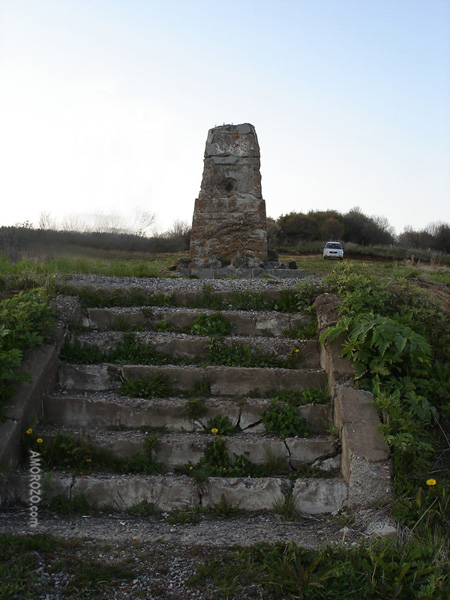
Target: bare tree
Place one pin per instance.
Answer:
(72, 222)
(108, 223)
(179, 229)
(46, 222)
(143, 221)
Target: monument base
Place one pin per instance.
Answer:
(272, 270)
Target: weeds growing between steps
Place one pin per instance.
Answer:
(246, 300)
(130, 350)
(77, 455)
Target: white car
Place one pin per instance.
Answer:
(333, 250)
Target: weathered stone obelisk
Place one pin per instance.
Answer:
(229, 223)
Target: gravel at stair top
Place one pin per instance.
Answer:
(178, 284)
(161, 556)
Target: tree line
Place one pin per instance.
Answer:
(17, 241)
(296, 228)
(294, 231)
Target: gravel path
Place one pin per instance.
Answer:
(177, 284)
(160, 557)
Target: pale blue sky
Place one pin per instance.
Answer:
(105, 104)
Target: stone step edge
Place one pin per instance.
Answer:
(181, 298)
(170, 493)
(91, 411)
(257, 323)
(223, 381)
(304, 354)
(177, 450)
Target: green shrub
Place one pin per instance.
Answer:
(159, 386)
(196, 408)
(200, 389)
(307, 290)
(299, 397)
(284, 419)
(217, 463)
(307, 331)
(399, 341)
(210, 325)
(25, 321)
(238, 354)
(221, 424)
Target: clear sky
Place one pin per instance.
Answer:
(105, 105)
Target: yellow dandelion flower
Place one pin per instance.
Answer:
(431, 482)
(297, 351)
(214, 430)
(39, 440)
(190, 468)
(29, 431)
(224, 469)
(89, 460)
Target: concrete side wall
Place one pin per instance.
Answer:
(25, 406)
(365, 466)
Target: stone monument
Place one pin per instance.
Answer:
(229, 224)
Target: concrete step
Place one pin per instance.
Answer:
(175, 295)
(304, 354)
(243, 322)
(170, 492)
(222, 381)
(176, 451)
(109, 409)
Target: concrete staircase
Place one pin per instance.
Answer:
(159, 439)
(87, 405)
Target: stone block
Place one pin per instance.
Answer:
(358, 416)
(251, 412)
(10, 444)
(88, 377)
(327, 310)
(245, 493)
(15, 487)
(319, 496)
(175, 452)
(259, 449)
(216, 407)
(317, 417)
(125, 491)
(365, 455)
(369, 482)
(307, 450)
(271, 323)
(94, 411)
(241, 381)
